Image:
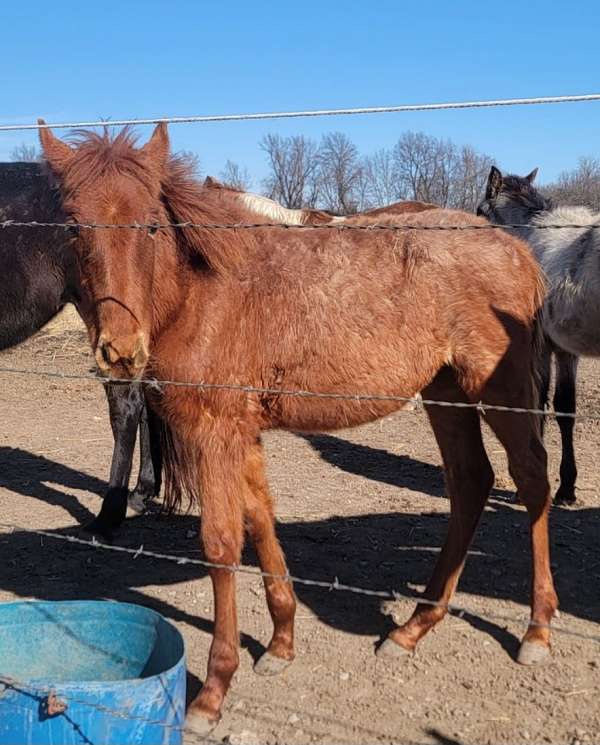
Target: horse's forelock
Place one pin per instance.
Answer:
(97, 155)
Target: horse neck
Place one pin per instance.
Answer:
(172, 279)
(38, 278)
(38, 271)
(269, 209)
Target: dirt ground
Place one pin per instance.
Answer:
(366, 506)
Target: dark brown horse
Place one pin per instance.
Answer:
(449, 313)
(38, 276)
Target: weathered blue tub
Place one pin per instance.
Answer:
(119, 668)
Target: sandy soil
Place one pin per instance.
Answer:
(366, 506)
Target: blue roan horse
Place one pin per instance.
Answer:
(571, 312)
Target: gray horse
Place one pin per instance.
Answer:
(570, 258)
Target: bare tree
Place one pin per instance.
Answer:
(427, 169)
(294, 165)
(193, 159)
(382, 183)
(339, 174)
(423, 167)
(469, 178)
(236, 176)
(579, 186)
(26, 153)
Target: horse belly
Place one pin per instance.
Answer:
(322, 414)
(573, 326)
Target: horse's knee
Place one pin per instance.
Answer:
(224, 658)
(221, 546)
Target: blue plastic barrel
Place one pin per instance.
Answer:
(119, 669)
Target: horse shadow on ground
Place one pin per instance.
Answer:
(385, 467)
(381, 551)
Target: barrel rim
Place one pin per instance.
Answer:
(99, 684)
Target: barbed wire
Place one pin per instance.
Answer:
(402, 108)
(417, 401)
(328, 585)
(190, 737)
(287, 226)
(43, 691)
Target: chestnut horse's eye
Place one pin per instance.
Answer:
(152, 230)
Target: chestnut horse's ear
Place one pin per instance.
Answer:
(56, 151)
(212, 182)
(158, 147)
(532, 175)
(494, 183)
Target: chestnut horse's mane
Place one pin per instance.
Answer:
(101, 154)
(184, 198)
(187, 200)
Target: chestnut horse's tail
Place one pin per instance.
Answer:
(180, 473)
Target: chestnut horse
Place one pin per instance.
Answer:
(449, 313)
(272, 210)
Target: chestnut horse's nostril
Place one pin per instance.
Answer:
(105, 354)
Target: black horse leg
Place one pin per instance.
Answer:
(564, 400)
(125, 405)
(149, 478)
(544, 369)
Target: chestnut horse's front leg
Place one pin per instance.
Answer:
(221, 489)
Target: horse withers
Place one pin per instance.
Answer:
(39, 276)
(246, 316)
(571, 313)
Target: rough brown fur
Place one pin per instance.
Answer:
(447, 312)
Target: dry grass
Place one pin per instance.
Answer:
(67, 320)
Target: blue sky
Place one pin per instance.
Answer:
(78, 60)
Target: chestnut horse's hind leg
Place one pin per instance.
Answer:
(519, 434)
(221, 489)
(469, 478)
(280, 595)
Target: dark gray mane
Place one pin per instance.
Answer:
(520, 190)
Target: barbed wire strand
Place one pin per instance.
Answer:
(43, 691)
(402, 108)
(287, 226)
(458, 610)
(258, 390)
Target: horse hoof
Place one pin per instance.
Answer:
(198, 724)
(268, 664)
(391, 650)
(100, 529)
(564, 498)
(138, 503)
(533, 653)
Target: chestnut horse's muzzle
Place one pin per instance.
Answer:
(122, 356)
